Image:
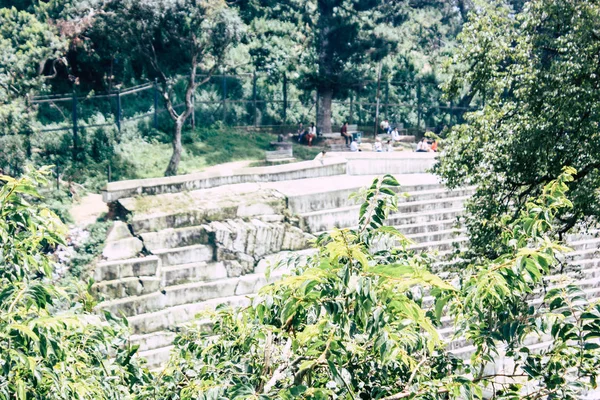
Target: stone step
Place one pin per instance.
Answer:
(587, 273)
(440, 245)
(581, 255)
(425, 217)
(592, 263)
(207, 180)
(127, 287)
(170, 318)
(188, 293)
(135, 267)
(343, 217)
(586, 244)
(194, 272)
(185, 255)
(154, 340)
(332, 199)
(157, 357)
(460, 348)
(583, 235)
(175, 237)
(338, 147)
(157, 346)
(161, 339)
(428, 227)
(441, 235)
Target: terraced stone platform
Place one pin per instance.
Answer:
(210, 245)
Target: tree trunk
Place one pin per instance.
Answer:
(177, 149)
(325, 99)
(325, 62)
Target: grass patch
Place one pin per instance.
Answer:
(303, 152)
(143, 158)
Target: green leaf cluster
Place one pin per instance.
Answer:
(536, 71)
(52, 344)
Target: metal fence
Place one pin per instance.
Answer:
(249, 100)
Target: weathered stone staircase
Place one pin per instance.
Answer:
(210, 245)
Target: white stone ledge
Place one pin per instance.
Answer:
(204, 180)
(379, 163)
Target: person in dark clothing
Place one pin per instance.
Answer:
(346, 135)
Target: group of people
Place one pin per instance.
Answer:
(309, 133)
(425, 146)
(393, 132)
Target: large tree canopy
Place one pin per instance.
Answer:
(539, 71)
(174, 39)
(26, 45)
(341, 41)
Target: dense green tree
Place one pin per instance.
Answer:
(338, 42)
(26, 45)
(52, 344)
(174, 39)
(538, 70)
(354, 322)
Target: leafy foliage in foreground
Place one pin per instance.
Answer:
(360, 320)
(51, 344)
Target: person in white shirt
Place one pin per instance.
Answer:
(378, 146)
(312, 133)
(395, 135)
(353, 146)
(422, 146)
(385, 126)
(389, 147)
(321, 156)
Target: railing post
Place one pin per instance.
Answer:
(387, 99)
(57, 176)
(224, 99)
(317, 109)
(350, 116)
(155, 103)
(284, 98)
(419, 111)
(74, 116)
(378, 100)
(118, 116)
(254, 98)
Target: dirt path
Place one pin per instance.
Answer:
(230, 166)
(88, 210)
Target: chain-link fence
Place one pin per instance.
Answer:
(251, 100)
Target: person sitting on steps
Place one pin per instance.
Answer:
(312, 133)
(378, 145)
(321, 156)
(395, 135)
(422, 147)
(389, 147)
(345, 134)
(385, 126)
(301, 132)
